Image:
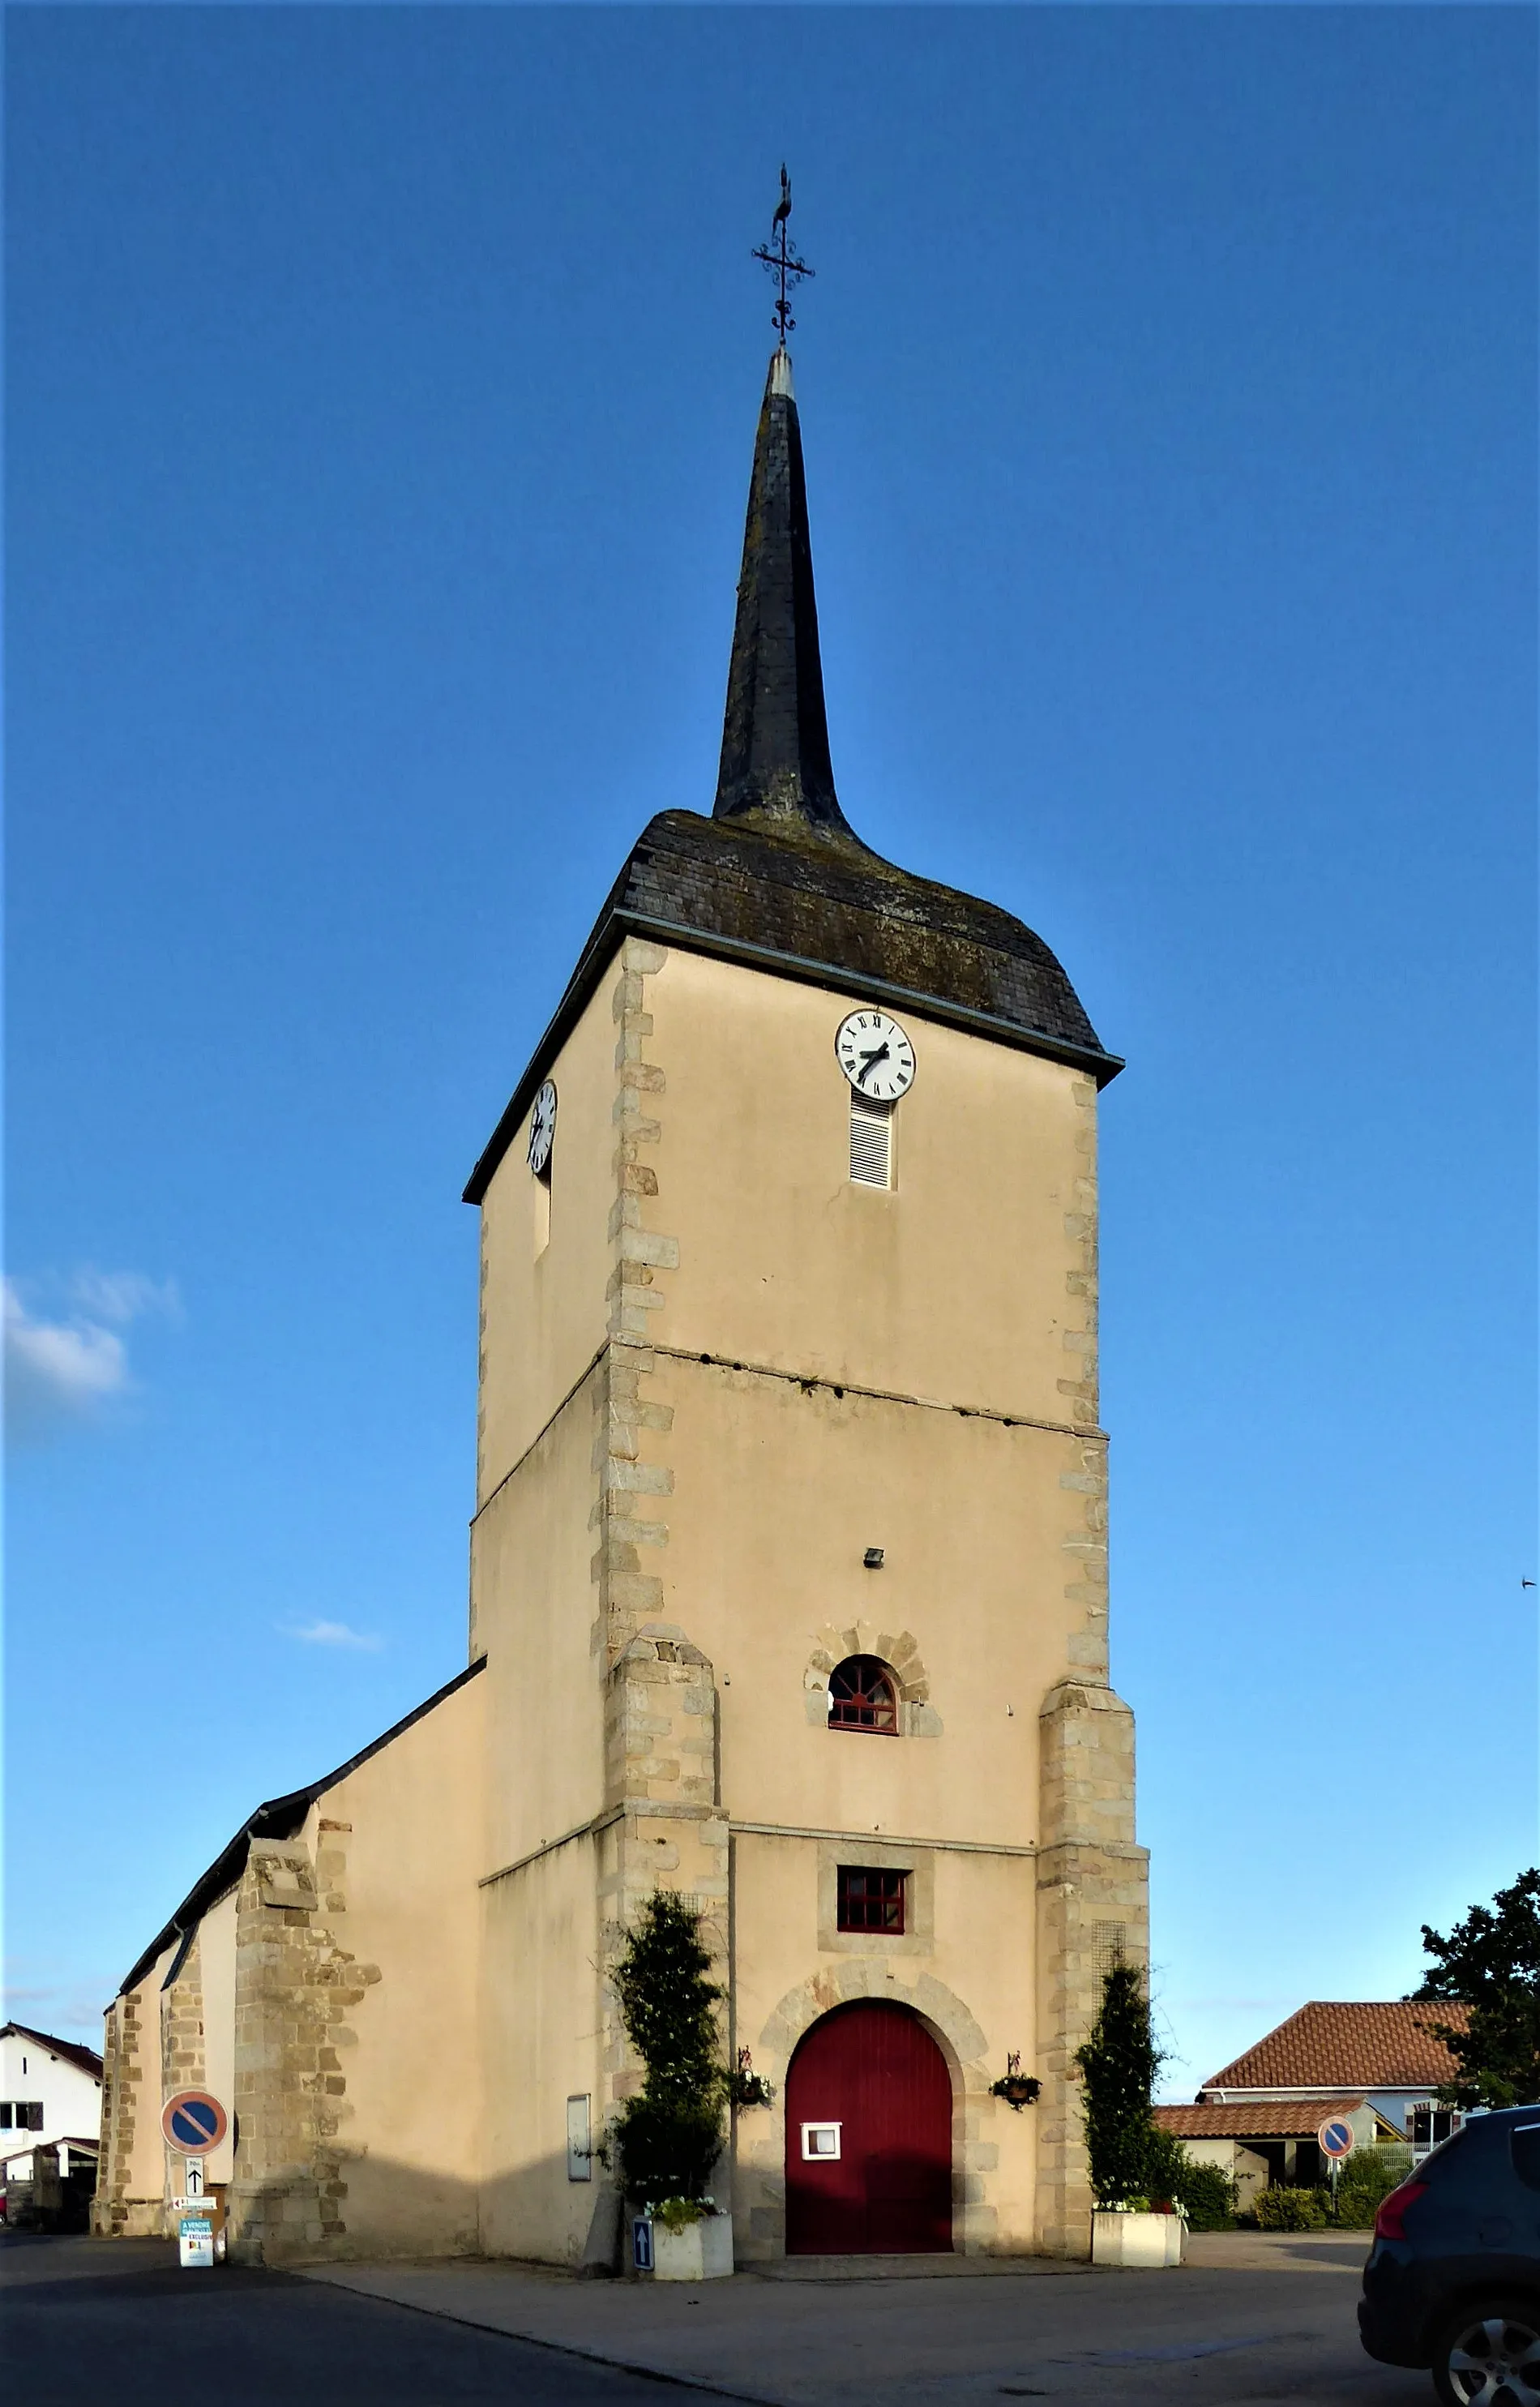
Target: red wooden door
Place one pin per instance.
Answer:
(876, 2073)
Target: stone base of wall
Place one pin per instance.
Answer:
(273, 2222)
(129, 2218)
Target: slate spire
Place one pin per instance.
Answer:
(775, 758)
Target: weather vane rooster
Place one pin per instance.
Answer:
(780, 255)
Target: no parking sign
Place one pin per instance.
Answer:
(193, 2121)
(1335, 2138)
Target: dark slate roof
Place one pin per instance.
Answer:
(776, 877)
(69, 2051)
(775, 756)
(279, 1818)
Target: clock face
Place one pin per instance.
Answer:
(543, 1129)
(875, 1056)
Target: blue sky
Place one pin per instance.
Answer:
(381, 390)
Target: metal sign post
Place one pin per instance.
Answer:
(193, 2123)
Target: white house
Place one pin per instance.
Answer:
(50, 2094)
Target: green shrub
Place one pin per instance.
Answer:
(1293, 2209)
(1209, 2196)
(668, 2138)
(1118, 2065)
(1368, 2176)
(1206, 2195)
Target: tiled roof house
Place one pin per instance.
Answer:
(1374, 2048)
(1376, 2064)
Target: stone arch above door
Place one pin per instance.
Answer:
(870, 1976)
(761, 2135)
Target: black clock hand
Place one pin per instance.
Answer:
(869, 1061)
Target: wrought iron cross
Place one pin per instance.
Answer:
(781, 257)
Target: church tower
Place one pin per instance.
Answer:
(789, 1561)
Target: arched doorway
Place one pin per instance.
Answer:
(869, 2137)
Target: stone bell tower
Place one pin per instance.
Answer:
(789, 1561)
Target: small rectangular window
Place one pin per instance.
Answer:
(1430, 2126)
(4, 2114)
(821, 2143)
(871, 1142)
(871, 1900)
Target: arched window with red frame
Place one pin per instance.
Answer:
(863, 1695)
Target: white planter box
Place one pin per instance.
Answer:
(1138, 2238)
(703, 2252)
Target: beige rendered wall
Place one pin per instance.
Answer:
(131, 2181)
(535, 1603)
(398, 1848)
(541, 2019)
(776, 1491)
(968, 1973)
(217, 1961)
(915, 1370)
(357, 2008)
(135, 2176)
(701, 1204)
(953, 1285)
(544, 1309)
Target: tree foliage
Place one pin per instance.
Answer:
(1490, 1963)
(670, 2137)
(1206, 2194)
(1132, 2159)
(1118, 2065)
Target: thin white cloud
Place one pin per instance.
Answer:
(65, 1368)
(335, 1633)
(121, 1296)
(57, 1369)
(72, 2010)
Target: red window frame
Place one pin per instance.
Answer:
(863, 1695)
(871, 1898)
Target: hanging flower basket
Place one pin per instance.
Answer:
(746, 2087)
(1018, 2090)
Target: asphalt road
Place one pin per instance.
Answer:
(1247, 2325)
(75, 2331)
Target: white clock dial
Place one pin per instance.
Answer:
(543, 1129)
(875, 1056)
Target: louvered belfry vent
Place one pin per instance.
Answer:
(871, 1142)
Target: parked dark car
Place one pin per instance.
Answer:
(1453, 2278)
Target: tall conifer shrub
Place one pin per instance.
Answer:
(670, 2137)
(1118, 2065)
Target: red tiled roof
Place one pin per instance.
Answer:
(71, 2050)
(1259, 2119)
(1327, 2046)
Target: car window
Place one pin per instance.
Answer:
(1524, 2141)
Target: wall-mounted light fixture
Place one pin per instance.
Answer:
(873, 1558)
